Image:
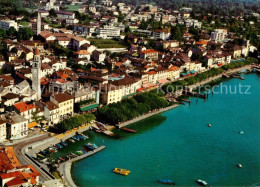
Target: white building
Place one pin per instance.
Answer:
(193, 22)
(2, 130)
(17, 127)
(51, 113)
(65, 103)
(65, 15)
(6, 24)
(161, 34)
(50, 5)
(108, 32)
(219, 35)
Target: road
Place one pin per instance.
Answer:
(18, 147)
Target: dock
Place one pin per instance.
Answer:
(194, 94)
(108, 133)
(65, 167)
(100, 148)
(237, 76)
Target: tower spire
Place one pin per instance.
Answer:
(39, 23)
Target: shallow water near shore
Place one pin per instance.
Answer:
(179, 145)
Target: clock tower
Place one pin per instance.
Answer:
(36, 74)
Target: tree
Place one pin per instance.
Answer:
(25, 33)
(11, 32)
(177, 33)
(3, 33)
(52, 13)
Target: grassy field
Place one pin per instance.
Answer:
(106, 43)
(72, 7)
(24, 23)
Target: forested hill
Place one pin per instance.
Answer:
(213, 6)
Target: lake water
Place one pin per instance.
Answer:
(178, 145)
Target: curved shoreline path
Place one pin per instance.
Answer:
(147, 116)
(196, 85)
(65, 167)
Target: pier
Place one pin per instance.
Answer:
(65, 167)
(190, 93)
(100, 148)
(237, 76)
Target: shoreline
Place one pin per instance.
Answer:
(196, 85)
(65, 169)
(150, 114)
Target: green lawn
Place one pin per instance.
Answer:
(24, 23)
(106, 43)
(72, 7)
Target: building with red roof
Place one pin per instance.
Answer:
(25, 109)
(149, 54)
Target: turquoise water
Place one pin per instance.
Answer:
(179, 145)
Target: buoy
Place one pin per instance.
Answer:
(239, 165)
(209, 125)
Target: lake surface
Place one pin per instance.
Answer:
(179, 145)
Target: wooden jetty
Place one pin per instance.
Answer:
(108, 133)
(184, 100)
(203, 96)
(237, 76)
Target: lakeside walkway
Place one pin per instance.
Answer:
(219, 76)
(196, 85)
(146, 116)
(65, 167)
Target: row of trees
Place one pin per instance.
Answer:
(24, 33)
(130, 108)
(74, 122)
(238, 64)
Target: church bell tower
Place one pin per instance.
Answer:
(36, 74)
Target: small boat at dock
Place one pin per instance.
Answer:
(202, 182)
(71, 140)
(75, 138)
(121, 171)
(59, 146)
(79, 153)
(95, 146)
(89, 146)
(129, 130)
(166, 181)
(64, 144)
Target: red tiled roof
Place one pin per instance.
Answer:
(151, 72)
(82, 52)
(202, 42)
(149, 51)
(22, 107)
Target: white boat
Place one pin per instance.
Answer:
(202, 182)
(241, 132)
(239, 165)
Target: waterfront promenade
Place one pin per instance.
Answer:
(196, 85)
(65, 167)
(146, 116)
